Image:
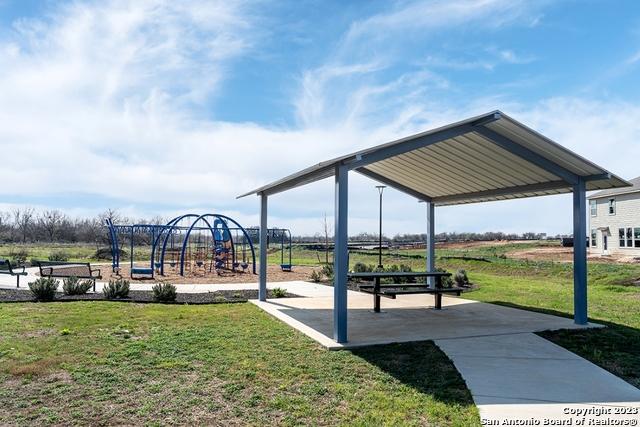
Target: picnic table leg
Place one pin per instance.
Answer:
(18, 281)
(376, 296)
(438, 301)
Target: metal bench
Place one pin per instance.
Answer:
(7, 268)
(392, 290)
(81, 270)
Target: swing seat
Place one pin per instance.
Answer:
(286, 267)
(199, 263)
(142, 271)
(244, 266)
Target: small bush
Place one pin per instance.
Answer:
(164, 292)
(73, 286)
(115, 289)
(60, 256)
(105, 254)
(278, 292)
(447, 281)
(33, 262)
(19, 256)
(65, 331)
(44, 288)
(315, 276)
(327, 270)
(460, 278)
(360, 267)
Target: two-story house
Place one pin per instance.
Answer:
(614, 221)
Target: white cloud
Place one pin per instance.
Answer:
(104, 99)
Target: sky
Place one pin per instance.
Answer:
(156, 108)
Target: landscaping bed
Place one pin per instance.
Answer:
(226, 296)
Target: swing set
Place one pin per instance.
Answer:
(188, 244)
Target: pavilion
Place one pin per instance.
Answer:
(481, 159)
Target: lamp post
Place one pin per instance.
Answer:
(380, 191)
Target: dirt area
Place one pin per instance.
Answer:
(471, 245)
(199, 275)
(560, 254)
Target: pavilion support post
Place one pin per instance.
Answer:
(262, 290)
(579, 253)
(430, 241)
(341, 254)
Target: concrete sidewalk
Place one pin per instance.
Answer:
(523, 376)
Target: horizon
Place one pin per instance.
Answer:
(156, 108)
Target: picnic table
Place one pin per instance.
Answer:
(394, 289)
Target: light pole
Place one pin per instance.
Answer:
(380, 190)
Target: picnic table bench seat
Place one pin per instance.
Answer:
(17, 271)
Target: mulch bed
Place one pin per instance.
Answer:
(215, 297)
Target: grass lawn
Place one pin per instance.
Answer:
(228, 364)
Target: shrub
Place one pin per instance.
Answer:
(460, 278)
(164, 292)
(73, 286)
(447, 282)
(327, 270)
(19, 256)
(105, 254)
(315, 276)
(65, 331)
(33, 262)
(44, 288)
(278, 292)
(407, 269)
(360, 267)
(60, 256)
(118, 288)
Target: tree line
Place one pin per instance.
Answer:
(27, 225)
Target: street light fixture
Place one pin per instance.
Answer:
(380, 190)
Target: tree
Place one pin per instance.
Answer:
(327, 230)
(23, 220)
(51, 221)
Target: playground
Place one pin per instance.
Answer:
(194, 248)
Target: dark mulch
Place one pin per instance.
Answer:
(24, 295)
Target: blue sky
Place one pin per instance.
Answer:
(157, 107)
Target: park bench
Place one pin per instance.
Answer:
(81, 270)
(392, 290)
(7, 268)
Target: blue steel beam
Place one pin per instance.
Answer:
(528, 155)
(431, 235)
(341, 255)
(262, 290)
(398, 148)
(580, 253)
(391, 183)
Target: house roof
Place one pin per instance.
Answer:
(483, 158)
(635, 188)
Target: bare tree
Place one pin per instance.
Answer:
(51, 221)
(23, 220)
(327, 231)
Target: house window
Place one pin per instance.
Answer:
(594, 207)
(612, 206)
(594, 241)
(629, 237)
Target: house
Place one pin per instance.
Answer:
(614, 221)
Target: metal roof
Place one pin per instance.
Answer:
(617, 191)
(484, 158)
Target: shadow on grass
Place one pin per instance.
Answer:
(615, 348)
(422, 366)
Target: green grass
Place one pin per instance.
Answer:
(104, 363)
